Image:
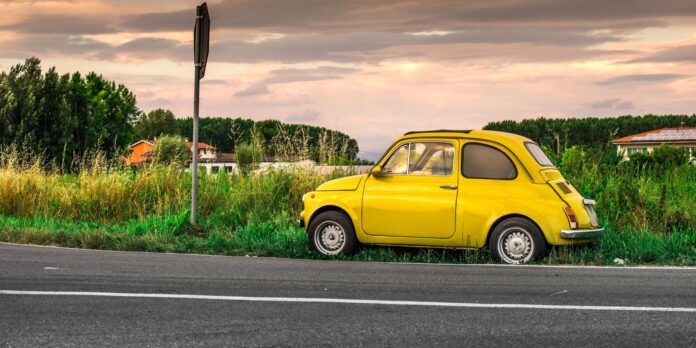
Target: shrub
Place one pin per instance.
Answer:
(661, 158)
(170, 149)
(573, 158)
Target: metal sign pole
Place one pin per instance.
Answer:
(194, 148)
(201, 40)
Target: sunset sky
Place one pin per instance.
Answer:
(375, 69)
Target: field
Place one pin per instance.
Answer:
(649, 212)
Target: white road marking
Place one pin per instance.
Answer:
(51, 268)
(349, 301)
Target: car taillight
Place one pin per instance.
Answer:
(572, 218)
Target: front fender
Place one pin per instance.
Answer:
(345, 201)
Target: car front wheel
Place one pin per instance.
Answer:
(332, 233)
(517, 240)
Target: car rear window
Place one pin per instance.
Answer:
(481, 161)
(538, 154)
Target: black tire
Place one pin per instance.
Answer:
(517, 240)
(332, 233)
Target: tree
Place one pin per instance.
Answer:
(156, 123)
(170, 149)
(245, 157)
(66, 116)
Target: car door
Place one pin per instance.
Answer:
(491, 180)
(416, 195)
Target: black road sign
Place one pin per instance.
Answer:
(201, 38)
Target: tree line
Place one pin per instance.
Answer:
(271, 138)
(65, 117)
(278, 139)
(592, 132)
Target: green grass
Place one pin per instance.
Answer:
(649, 213)
(173, 234)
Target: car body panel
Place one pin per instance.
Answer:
(349, 183)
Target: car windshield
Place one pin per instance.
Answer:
(538, 155)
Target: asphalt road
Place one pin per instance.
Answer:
(67, 297)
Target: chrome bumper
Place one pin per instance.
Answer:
(582, 233)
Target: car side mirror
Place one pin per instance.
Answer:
(377, 171)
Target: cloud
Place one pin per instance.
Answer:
(405, 15)
(252, 90)
(281, 76)
(685, 53)
(23, 46)
(148, 48)
(361, 31)
(61, 24)
(613, 103)
(351, 47)
(308, 115)
(640, 78)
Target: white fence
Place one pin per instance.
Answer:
(233, 168)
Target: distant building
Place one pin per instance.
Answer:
(208, 155)
(205, 151)
(140, 152)
(646, 142)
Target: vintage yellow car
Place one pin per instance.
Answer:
(453, 189)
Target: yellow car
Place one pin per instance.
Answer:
(453, 189)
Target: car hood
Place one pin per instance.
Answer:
(349, 183)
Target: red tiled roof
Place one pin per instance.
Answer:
(227, 155)
(201, 145)
(142, 141)
(664, 135)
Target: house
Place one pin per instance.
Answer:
(205, 151)
(220, 162)
(209, 157)
(140, 152)
(648, 141)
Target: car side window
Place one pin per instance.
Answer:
(421, 158)
(481, 161)
(398, 162)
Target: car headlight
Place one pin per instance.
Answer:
(303, 197)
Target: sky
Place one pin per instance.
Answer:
(375, 69)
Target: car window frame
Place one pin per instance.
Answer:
(408, 159)
(461, 166)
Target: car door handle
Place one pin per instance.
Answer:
(449, 187)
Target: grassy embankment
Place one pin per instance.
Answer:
(650, 214)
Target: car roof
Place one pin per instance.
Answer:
(502, 137)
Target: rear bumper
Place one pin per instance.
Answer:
(582, 233)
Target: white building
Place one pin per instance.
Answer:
(648, 141)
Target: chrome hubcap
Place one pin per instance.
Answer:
(330, 238)
(515, 246)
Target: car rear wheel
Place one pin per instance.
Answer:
(332, 233)
(517, 240)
